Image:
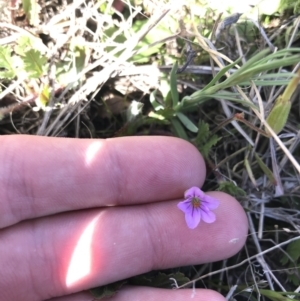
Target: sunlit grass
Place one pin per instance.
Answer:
(97, 72)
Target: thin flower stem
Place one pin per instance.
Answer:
(221, 125)
(240, 117)
(190, 56)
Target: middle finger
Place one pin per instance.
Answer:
(74, 251)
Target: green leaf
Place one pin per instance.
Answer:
(78, 51)
(293, 250)
(80, 56)
(278, 116)
(26, 43)
(227, 95)
(261, 62)
(187, 122)
(293, 261)
(272, 76)
(213, 140)
(264, 66)
(203, 133)
(67, 71)
(35, 63)
(173, 84)
(252, 61)
(5, 57)
(204, 141)
(199, 97)
(289, 5)
(167, 113)
(277, 296)
(32, 9)
(108, 290)
(265, 83)
(6, 63)
(265, 169)
(178, 129)
(250, 172)
(156, 105)
(63, 71)
(221, 73)
(146, 47)
(168, 100)
(231, 189)
(268, 62)
(271, 79)
(149, 43)
(43, 97)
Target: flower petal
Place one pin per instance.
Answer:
(192, 192)
(208, 216)
(185, 206)
(210, 202)
(192, 220)
(193, 213)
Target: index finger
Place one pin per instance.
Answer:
(41, 176)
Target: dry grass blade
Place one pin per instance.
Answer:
(99, 78)
(107, 71)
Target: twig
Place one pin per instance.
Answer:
(190, 56)
(262, 32)
(227, 22)
(260, 258)
(242, 262)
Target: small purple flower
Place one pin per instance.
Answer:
(196, 206)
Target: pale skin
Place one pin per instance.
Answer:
(129, 224)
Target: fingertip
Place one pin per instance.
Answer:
(209, 242)
(137, 293)
(231, 221)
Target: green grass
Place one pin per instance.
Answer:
(117, 77)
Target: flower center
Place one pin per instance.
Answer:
(196, 202)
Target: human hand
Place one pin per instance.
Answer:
(77, 214)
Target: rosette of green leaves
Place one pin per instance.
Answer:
(256, 70)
